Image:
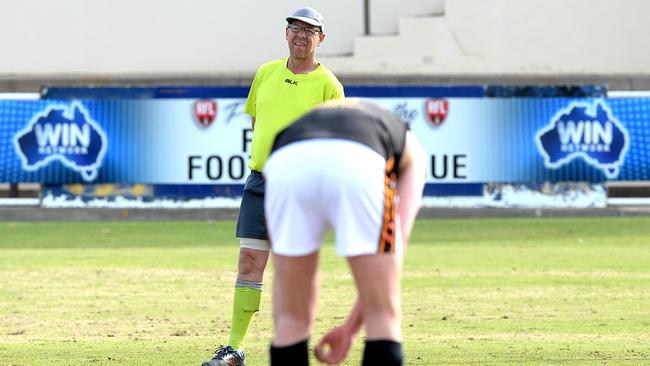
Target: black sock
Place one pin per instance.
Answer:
(294, 355)
(383, 353)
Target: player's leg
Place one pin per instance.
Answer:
(377, 280)
(248, 293)
(363, 216)
(294, 212)
(295, 292)
(253, 257)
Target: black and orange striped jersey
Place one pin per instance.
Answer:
(351, 119)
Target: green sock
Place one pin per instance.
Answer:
(245, 304)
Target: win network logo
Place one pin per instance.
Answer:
(578, 132)
(67, 135)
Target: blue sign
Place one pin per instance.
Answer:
(585, 132)
(66, 134)
(467, 140)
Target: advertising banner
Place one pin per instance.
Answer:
(531, 140)
(176, 141)
(207, 141)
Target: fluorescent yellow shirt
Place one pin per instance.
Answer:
(279, 97)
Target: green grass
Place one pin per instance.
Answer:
(551, 291)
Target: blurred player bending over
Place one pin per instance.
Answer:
(354, 167)
(282, 91)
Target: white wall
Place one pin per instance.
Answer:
(512, 37)
(218, 37)
(384, 15)
(158, 36)
(573, 36)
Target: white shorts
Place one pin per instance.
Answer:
(318, 184)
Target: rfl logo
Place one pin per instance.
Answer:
(437, 110)
(205, 111)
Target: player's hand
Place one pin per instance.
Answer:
(334, 347)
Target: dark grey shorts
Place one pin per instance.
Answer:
(251, 223)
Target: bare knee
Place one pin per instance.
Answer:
(252, 264)
(291, 328)
(382, 320)
(295, 292)
(379, 294)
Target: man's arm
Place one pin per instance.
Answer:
(410, 184)
(338, 341)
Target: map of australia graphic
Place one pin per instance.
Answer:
(576, 132)
(65, 134)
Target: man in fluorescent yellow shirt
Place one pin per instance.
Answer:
(282, 91)
(279, 96)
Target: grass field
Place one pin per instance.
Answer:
(565, 291)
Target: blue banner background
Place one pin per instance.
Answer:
(149, 141)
